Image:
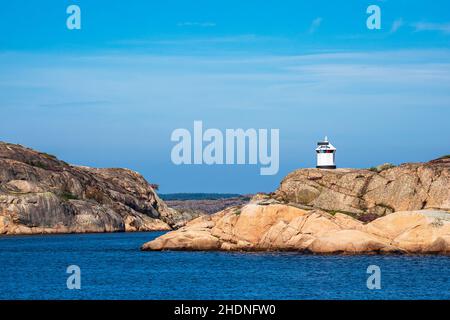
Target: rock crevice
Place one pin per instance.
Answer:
(279, 227)
(41, 194)
(402, 209)
(359, 192)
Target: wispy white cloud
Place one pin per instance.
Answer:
(75, 104)
(315, 24)
(144, 96)
(197, 40)
(221, 82)
(430, 26)
(196, 24)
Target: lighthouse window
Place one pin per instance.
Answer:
(325, 151)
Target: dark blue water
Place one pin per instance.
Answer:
(112, 267)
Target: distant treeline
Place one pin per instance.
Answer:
(198, 196)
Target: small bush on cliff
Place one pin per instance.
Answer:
(48, 155)
(382, 167)
(68, 196)
(348, 213)
(37, 163)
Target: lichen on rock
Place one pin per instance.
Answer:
(41, 194)
(370, 193)
(328, 211)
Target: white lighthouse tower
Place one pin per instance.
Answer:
(325, 155)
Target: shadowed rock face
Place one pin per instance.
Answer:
(365, 193)
(275, 226)
(41, 194)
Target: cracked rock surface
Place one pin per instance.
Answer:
(41, 194)
(402, 209)
(370, 194)
(280, 227)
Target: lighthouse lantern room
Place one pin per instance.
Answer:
(325, 155)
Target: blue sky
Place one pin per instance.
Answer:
(110, 94)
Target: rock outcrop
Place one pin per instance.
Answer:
(368, 194)
(41, 194)
(387, 209)
(271, 226)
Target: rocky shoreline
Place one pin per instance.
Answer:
(279, 227)
(402, 209)
(388, 209)
(41, 194)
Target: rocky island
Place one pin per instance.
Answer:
(41, 194)
(387, 209)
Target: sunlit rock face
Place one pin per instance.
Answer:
(370, 193)
(279, 227)
(386, 209)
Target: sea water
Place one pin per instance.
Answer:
(113, 267)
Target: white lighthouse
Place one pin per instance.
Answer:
(325, 155)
